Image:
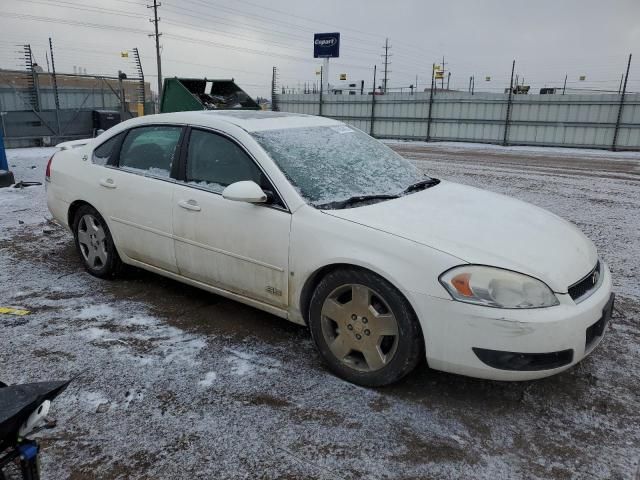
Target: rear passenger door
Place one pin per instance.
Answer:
(137, 193)
(237, 246)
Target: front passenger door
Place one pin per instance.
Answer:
(236, 246)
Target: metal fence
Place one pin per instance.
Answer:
(30, 115)
(604, 121)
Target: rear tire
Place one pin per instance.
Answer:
(94, 243)
(364, 328)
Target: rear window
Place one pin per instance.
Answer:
(151, 150)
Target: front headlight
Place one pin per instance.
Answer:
(495, 287)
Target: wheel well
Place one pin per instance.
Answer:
(73, 208)
(316, 277)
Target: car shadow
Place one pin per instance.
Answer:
(199, 311)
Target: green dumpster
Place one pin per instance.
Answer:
(183, 94)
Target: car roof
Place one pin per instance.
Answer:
(249, 120)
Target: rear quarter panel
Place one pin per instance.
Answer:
(74, 177)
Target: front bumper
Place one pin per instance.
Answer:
(529, 344)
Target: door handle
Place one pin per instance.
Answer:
(108, 183)
(190, 205)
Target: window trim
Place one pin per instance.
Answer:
(115, 163)
(181, 176)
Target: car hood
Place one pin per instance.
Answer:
(485, 228)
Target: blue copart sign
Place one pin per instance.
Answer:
(326, 45)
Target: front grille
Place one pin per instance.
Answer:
(587, 285)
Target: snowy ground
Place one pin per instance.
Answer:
(177, 383)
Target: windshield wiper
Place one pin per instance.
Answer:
(353, 200)
(424, 184)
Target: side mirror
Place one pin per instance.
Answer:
(245, 191)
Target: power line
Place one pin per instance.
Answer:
(87, 8)
(71, 5)
(78, 23)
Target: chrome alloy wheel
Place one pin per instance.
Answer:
(359, 327)
(91, 238)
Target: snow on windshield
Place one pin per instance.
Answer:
(330, 164)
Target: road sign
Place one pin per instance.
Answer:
(326, 45)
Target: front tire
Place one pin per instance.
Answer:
(364, 328)
(94, 243)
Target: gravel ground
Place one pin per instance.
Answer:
(173, 382)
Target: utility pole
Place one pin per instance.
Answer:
(373, 102)
(433, 85)
(386, 56)
(448, 79)
(155, 21)
(321, 84)
(506, 123)
(121, 76)
(564, 87)
(443, 70)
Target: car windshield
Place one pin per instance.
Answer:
(332, 164)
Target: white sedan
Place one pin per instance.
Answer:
(314, 221)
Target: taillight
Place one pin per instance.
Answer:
(47, 172)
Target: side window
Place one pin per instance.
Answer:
(215, 162)
(103, 153)
(150, 149)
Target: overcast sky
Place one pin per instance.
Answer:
(244, 39)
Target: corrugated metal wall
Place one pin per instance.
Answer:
(586, 121)
(25, 128)
(17, 99)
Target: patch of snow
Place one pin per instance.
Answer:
(208, 380)
(94, 333)
(96, 311)
(141, 320)
(92, 399)
(543, 151)
(240, 366)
